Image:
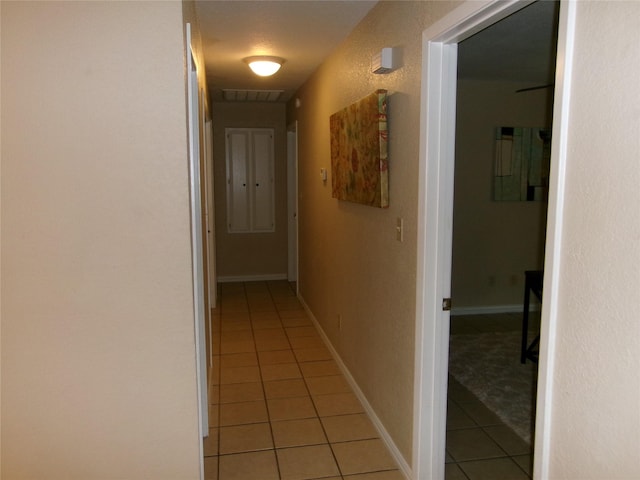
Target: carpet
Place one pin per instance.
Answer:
(488, 364)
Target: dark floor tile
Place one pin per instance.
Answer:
(493, 469)
(472, 444)
(508, 440)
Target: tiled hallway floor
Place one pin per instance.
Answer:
(281, 409)
(279, 405)
(479, 445)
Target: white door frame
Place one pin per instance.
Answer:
(435, 226)
(210, 211)
(292, 201)
(210, 225)
(197, 259)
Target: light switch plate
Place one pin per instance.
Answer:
(400, 229)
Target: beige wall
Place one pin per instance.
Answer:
(595, 416)
(493, 242)
(252, 255)
(98, 368)
(351, 264)
(1, 310)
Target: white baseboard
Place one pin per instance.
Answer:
(487, 309)
(251, 278)
(384, 435)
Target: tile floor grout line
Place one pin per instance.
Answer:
(463, 472)
(219, 368)
(324, 431)
(520, 467)
(264, 393)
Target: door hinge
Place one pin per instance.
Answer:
(446, 304)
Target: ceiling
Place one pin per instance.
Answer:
(519, 48)
(304, 32)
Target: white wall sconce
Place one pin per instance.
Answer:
(383, 62)
(264, 66)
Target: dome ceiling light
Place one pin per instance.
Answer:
(264, 66)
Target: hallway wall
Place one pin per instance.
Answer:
(595, 420)
(98, 362)
(250, 255)
(356, 278)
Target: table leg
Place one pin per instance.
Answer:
(525, 321)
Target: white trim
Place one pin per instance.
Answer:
(434, 264)
(197, 263)
(211, 214)
(488, 309)
(553, 248)
(470, 18)
(384, 435)
(251, 278)
(292, 201)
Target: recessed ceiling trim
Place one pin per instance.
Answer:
(244, 95)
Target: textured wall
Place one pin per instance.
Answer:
(351, 264)
(596, 419)
(493, 242)
(98, 367)
(252, 254)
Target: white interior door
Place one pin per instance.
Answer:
(197, 261)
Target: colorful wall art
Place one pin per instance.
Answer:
(359, 164)
(521, 169)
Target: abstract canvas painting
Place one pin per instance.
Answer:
(521, 168)
(359, 163)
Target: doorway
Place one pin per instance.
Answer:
(504, 105)
(435, 219)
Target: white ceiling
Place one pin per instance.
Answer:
(305, 32)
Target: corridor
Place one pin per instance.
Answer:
(280, 407)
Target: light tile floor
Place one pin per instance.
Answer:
(479, 445)
(280, 408)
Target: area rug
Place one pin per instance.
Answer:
(488, 364)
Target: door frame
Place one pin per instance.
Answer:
(210, 211)
(292, 202)
(435, 227)
(197, 254)
(210, 225)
